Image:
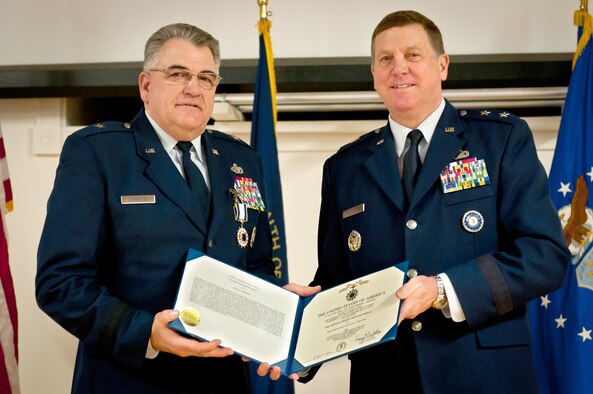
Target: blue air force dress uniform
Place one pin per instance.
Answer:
(498, 239)
(120, 220)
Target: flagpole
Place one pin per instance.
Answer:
(263, 9)
(584, 22)
(580, 15)
(263, 140)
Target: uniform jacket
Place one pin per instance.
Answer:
(105, 268)
(517, 255)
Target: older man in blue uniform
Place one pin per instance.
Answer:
(462, 196)
(129, 200)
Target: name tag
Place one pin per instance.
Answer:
(138, 199)
(353, 211)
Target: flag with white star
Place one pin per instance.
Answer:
(562, 322)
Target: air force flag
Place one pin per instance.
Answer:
(562, 322)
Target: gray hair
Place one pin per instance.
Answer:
(184, 31)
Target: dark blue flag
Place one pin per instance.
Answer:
(562, 322)
(263, 139)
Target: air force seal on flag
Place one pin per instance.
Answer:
(577, 225)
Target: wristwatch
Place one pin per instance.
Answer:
(441, 300)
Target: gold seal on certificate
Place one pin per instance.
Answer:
(190, 316)
(263, 321)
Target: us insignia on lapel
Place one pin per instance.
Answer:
(464, 174)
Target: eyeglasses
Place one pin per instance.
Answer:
(180, 76)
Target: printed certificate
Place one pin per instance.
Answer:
(265, 322)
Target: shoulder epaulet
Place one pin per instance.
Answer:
(105, 127)
(494, 115)
(360, 140)
(227, 137)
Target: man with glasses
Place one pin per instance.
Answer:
(128, 202)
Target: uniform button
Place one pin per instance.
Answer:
(416, 325)
(411, 224)
(210, 244)
(411, 273)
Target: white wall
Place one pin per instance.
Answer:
(88, 31)
(46, 350)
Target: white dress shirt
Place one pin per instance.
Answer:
(197, 154)
(198, 157)
(400, 133)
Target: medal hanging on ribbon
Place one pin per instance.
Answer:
(241, 216)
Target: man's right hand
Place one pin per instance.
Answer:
(164, 339)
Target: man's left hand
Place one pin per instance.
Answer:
(417, 296)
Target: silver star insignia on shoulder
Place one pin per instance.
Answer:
(485, 113)
(504, 114)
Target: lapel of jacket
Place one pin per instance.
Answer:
(445, 145)
(221, 180)
(161, 170)
(382, 166)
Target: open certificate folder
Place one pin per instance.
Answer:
(265, 322)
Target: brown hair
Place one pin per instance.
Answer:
(404, 18)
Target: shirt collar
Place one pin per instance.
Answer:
(169, 142)
(428, 125)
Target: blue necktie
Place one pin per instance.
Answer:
(194, 178)
(412, 164)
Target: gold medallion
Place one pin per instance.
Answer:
(354, 241)
(190, 316)
(242, 237)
